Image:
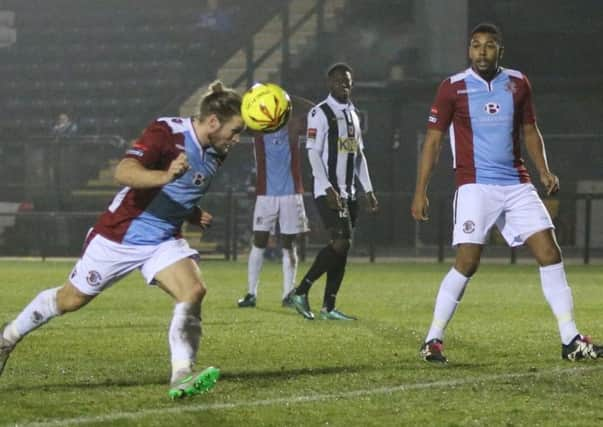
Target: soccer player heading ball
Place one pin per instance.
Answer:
(165, 175)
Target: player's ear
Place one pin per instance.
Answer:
(213, 123)
(500, 53)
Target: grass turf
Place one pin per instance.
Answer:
(109, 364)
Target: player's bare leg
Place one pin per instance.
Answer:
(182, 280)
(558, 294)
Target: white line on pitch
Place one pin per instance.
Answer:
(300, 399)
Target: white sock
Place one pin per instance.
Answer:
(289, 270)
(254, 268)
(450, 294)
(39, 311)
(559, 296)
(184, 337)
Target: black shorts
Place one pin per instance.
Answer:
(340, 224)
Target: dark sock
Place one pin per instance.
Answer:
(325, 259)
(334, 279)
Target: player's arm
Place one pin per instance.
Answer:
(316, 137)
(430, 154)
(362, 173)
(201, 218)
(535, 148)
(132, 173)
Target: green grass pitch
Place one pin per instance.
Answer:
(108, 364)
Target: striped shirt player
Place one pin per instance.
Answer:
(486, 108)
(335, 151)
(279, 199)
(165, 173)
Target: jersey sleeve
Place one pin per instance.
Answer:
(148, 149)
(442, 108)
(528, 115)
(317, 131)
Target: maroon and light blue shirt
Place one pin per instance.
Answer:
(154, 215)
(484, 120)
(278, 164)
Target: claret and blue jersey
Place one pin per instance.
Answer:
(484, 120)
(152, 216)
(278, 164)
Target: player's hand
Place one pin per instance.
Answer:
(178, 167)
(373, 204)
(333, 200)
(205, 220)
(550, 182)
(419, 207)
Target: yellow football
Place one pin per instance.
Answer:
(266, 107)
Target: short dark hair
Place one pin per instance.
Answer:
(488, 27)
(339, 67)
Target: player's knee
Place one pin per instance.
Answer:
(196, 292)
(549, 256)
(467, 267)
(70, 299)
(260, 239)
(341, 246)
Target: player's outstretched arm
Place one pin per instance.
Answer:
(535, 147)
(132, 173)
(430, 154)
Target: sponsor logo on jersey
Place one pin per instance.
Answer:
(492, 108)
(468, 227)
(465, 91)
(93, 278)
(348, 145)
(311, 133)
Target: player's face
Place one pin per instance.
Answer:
(227, 134)
(484, 53)
(340, 86)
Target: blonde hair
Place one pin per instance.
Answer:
(220, 100)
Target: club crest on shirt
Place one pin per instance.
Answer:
(93, 278)
(348, 145)
(198, 179)
(468, 227)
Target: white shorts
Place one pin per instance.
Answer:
(104, 262)
(288, 210)
(516, 210)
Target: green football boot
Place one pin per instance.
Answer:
(300, 303)
(194, 384)
(335, 315)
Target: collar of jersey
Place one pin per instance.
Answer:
(200, 147)
(335, 103)
(481, 79)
